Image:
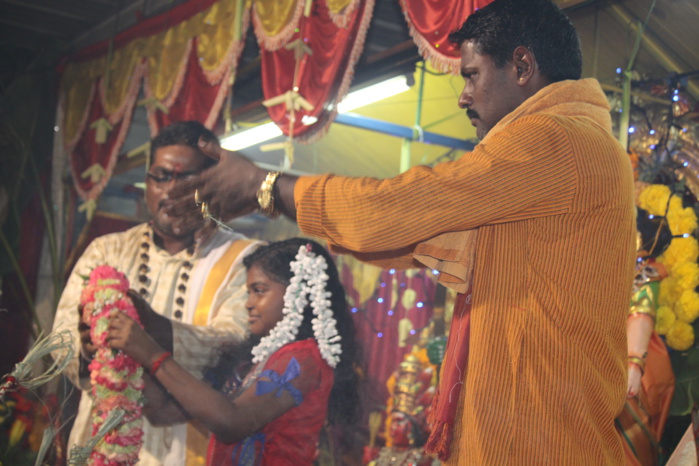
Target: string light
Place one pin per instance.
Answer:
(419, 304)
(380, 300)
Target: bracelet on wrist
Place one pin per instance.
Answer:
(638, 362)
(158, 362)
(265, 195)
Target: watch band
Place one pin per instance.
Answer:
(265, 195)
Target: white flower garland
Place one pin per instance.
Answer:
(309, 280)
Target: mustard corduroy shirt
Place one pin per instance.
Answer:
(550, 192)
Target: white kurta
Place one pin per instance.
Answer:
(194, 347)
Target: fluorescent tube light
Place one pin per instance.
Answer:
(354, 100)
(252, 136)
(373, 93)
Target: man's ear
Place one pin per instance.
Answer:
(524, 63)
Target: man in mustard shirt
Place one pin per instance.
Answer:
(534, 228)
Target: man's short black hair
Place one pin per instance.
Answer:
(181, 133)
(539, 25)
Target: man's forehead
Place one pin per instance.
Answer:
(181, 152)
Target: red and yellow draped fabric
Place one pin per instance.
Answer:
(182, 61)
(308, 52)
(431, 22)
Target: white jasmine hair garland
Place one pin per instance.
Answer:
(309, 280)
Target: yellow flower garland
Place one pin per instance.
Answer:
(664, 320)
(679, 303)
(680, 336)
(654, 199)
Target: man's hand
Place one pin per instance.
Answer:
(88, 348)
(228, 188)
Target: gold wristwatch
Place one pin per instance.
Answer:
(265, 195)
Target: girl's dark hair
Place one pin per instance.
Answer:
(274, 260)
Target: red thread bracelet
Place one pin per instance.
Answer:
(156, 364)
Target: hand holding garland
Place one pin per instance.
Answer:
(230, 421)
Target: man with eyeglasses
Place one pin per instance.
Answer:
(188, 285)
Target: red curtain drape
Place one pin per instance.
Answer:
(197, 98)
(324, 76)
(198, 92)
(87, 152)
(430, 23)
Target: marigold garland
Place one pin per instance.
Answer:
(654, 199)
(679, 303)
(664, 320)
(687, 306)
(117, 379)
(680, 336)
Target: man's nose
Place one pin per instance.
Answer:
(464, 100)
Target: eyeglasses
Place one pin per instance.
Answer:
(165, 176)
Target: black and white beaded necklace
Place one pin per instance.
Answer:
(145, 282)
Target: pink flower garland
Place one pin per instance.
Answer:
(117, 381)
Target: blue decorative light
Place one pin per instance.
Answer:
(419, 304)
(380, 300)
(631, 129)
(412, 332)
(685, 164)
(652, 146)
(383, 284)
(618, 71)
(354, 309)
(390, 313)
(392, 271)
(686, 235)
(435, 272)
(651, 216)
(675, 98)
(380, 334)
(651, 131)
